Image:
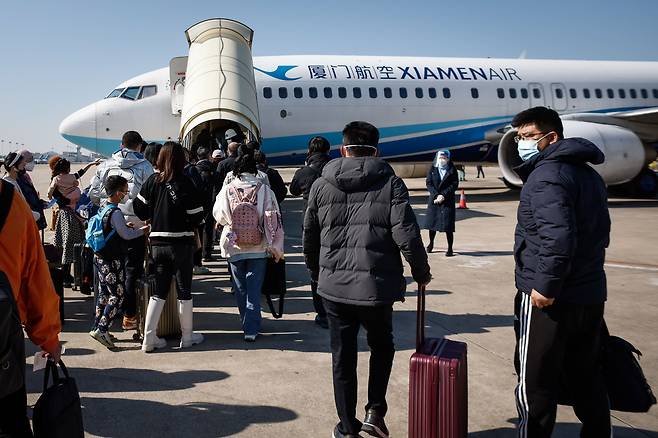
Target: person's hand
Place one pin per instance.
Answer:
(55, 354)
(440, 199)
(424, 283)
(146, 229)
(540, 301)
(130, 225)
(278, 255)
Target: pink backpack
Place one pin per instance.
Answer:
(246, 221)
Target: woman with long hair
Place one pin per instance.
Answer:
(170, 201)
(249, 213)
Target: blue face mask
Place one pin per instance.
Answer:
(528, 148)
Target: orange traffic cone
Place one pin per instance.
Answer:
(462, 200)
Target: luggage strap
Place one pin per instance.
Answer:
(270, 304)
(5, 201)
(52, 366)
(420, 319)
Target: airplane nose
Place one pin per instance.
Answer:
(80, 127)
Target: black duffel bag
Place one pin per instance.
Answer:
(628, 389)
(57, 413)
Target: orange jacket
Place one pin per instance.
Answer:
(23, 261)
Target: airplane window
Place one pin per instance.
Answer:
(403, 92)
(313, 93)
(501, 93)
(116, 92)
(573, 93)
(130, 93)
(655, 93)
(536, 93)
(419, 92)
(611, 93)
(633, 93)
(475, 93)
(356, 92)
(622, 93)
(372, 91)
(644, 93)
(297, 91)
(431, 92)
(559, 94)
(388, 93)
(524, 93)
(267, 93)
(283, 92)
(148, 91)
(512, 93)
(446, 93)
(342, 92)
(598, 93)
(328, 93)
(586, 93)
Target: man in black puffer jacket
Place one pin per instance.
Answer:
(318, 157)
(560, 240)
(357, 222)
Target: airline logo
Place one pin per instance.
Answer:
(384, 72)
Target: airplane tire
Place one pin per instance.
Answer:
(646, 184)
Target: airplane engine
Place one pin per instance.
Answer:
(625, 154)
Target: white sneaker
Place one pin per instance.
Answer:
(200, 270)
(103, 338)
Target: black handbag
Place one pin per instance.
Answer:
(274, 285)
(57, 413)
(628, 389)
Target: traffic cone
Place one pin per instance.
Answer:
(462, 200)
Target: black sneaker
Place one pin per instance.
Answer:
(322, 321)
(374, 425)
(338, 434)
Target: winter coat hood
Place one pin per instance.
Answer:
(357, 174)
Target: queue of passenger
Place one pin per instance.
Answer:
(356, 273)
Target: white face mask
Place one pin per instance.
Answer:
(528, 148)
(443, 162)
(29, 166)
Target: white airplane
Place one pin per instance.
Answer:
(418, 104)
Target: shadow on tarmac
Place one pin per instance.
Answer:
(122, 418)
(563, 430)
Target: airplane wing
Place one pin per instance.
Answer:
(643, 122)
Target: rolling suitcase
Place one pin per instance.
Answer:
(169, 325)
(83, 268)
(438, 389)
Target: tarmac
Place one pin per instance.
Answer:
(281, 384)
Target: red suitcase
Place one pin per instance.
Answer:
(438, 388)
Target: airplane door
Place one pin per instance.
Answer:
(559, 94)
(536, 92)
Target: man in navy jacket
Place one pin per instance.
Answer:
(562, 232)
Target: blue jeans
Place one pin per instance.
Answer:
(248, 276)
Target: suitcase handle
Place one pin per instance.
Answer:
(420, 319)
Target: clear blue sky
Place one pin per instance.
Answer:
(58, 56)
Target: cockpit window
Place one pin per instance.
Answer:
(116, 92)
(148, 91)
(130, 93)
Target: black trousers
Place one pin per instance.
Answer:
(174, 260)
(208, 236)
(344, 323)
(317, 300)
(13, 415)
(556, 346)
(134, 270)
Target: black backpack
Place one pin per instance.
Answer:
(12, 346)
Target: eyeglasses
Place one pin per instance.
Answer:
(537, 136)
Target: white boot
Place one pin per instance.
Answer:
(153, 311)
(185, 313)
